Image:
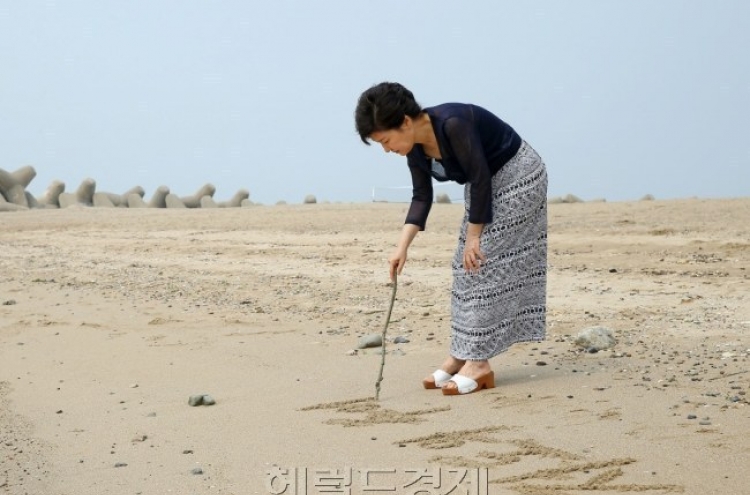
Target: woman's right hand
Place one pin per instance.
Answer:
(396, 262)
(398, 259)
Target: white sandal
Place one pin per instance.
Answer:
(465, 385)
(439, 378)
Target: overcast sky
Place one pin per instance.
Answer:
(621, 98)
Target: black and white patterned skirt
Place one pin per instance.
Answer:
(505, 301)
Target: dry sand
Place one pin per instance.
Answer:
(112, 318)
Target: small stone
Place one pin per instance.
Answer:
(187, 451)
(595, 339)
(208, 400)
(704, 422)
(133, 385)
(151, 415)
(541, 363)
(352, 352)
(9, 302)
(371, 340)
(120, 464)
(195, 400)
(400, 340)
(196, 471)
(692, 416)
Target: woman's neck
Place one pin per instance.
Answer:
(424, 134)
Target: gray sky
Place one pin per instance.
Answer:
(621, 98)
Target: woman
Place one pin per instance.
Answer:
(500, 264)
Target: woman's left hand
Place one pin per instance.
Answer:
(473, 255)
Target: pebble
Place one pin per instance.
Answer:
(120, 464)
(595, 339)
(704, 422)
(351, 352)
(196, 471)
(208, 400)
(370, 340)
(541, 363)
(400, 340)
(9, 302)
(195, 400)
(692, 416)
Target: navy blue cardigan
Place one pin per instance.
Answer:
(474, 145)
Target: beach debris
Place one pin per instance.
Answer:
(201, 400)
(572, 198)
(443, 198)
(568, 198)
(370, 340)
(595, 339)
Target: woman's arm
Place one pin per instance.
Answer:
(398, 258)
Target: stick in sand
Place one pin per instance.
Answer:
(385, 330)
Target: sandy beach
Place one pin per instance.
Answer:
(111, 319)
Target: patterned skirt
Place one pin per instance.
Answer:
(505, 301)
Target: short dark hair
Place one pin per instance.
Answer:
(383, 107)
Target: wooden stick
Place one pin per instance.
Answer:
(385, 330)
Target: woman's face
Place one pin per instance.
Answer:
(399, 140)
